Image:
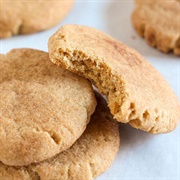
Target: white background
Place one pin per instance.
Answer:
(142, 156)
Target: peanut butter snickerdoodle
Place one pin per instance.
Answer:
(89, 156)
(158, 21)
(43, 109)
(136, 92)
(25, 17)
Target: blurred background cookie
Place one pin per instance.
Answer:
(137, 93)
(25, 17)
(90, 155)
(159, 23)
(43, 109)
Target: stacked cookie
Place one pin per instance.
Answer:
(44, 110)
(50, 126)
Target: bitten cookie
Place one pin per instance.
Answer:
(137, 93)
(25, 17)
(43, 109)
(159, 23)
(90, 156)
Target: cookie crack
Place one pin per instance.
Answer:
(68, 172)
(54, 136)
(89, 166)
(18, 28)
(68, 129)
(177, 46)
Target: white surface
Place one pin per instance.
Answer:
(141, 156)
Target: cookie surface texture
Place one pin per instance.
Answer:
(89, 157)
(25, 17)
(43, 109)
(158, 21)
(137, 93)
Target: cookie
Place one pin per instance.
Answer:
(25, 17)
(136, 92)
(90, 156)
(159, 23)
(43, 109)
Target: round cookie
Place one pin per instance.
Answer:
(25, 17)
(90, 155)
(137, 93)
(159, 23)
(43, 109)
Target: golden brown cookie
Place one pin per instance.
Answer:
(137, 93)
(90, 156)
(43, 109)
(24, 17)
(158, 21)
